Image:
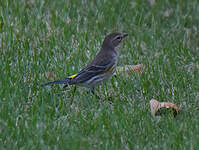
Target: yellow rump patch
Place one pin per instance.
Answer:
(73, 76)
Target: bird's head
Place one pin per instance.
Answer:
(113, 40)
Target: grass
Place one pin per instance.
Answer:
(61, 37)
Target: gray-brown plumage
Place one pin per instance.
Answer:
(100, 68)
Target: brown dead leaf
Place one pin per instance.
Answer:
(50, 76)
(156, 106)
(129, 68)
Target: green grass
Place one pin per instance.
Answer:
(61, 37)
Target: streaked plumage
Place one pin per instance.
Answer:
(101, 68)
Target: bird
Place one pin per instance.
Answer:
(101, 68)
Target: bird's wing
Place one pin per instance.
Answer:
(93, 70)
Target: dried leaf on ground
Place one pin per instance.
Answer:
(156, 106)
(129, 68)
(50, 76)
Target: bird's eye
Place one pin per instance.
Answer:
(119, 38)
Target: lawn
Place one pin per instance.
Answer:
(61, 37)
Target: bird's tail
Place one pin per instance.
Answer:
(62, 81)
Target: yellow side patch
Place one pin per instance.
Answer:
(110, 70)
(73, 76)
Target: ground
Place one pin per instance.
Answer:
(61, 37)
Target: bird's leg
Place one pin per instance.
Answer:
(94, 93)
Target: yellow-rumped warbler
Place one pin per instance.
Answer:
(101, 68)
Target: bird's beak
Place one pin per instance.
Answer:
(124, 35)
